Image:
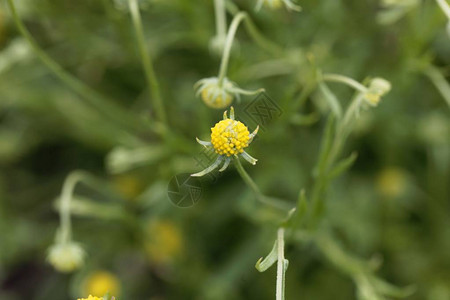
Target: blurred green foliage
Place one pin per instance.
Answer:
(392, 205)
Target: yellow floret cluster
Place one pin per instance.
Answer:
(229, 137)
(216, 100)
(91, 298)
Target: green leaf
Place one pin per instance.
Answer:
(391, 290)
(365, 289)
(263, 264)
(122, 159)
(289, 218)
(325, 148)
(300, 210)
(302, 204)
(331, 99)
(343, 166)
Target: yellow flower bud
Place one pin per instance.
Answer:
(392, 182)
(66, 257)
(378, 87)
(101, 283)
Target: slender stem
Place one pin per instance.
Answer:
(255, 34)
(342, 131)
(99, 102)
(147, 63)
(64, 209)
(445, 7)
(248, 180)
(439, 82)
(351, 112)
(221, 20)
(262, 41)
(228, 44)
(281, 267)
(345, 80)
(259, 195)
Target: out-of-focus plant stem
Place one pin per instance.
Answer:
(228, 44)
(68, 205)
(96, 100)
(221, 21)
(276, 203)
(439, 82)
(445, 7)
(147, 63)
(255, 34)
(64, 209)
(345, 80)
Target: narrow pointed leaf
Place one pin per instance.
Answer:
(264, 264)
(343, 166)
(391, 290)
(325, 148)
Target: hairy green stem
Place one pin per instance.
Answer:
(147, 63)
(281, 266)
(345, 80)
(228, 44)
(64, 208)
(221, 20)
(255, 34)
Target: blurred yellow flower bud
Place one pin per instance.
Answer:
(392, 182)
(217, 94)
(101, 283)
(90, 298)
(213, 94)
(164, 242)
(129, 186)
(378, 87)
(66, 257)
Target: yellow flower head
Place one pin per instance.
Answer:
(66, 257)
(228, 138)
(90, 298)
(101, 283)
